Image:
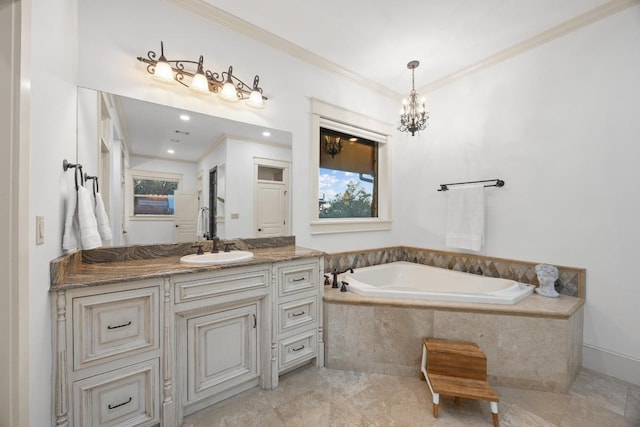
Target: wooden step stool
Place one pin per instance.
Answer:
(458, 369)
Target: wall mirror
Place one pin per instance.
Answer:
(169, 175)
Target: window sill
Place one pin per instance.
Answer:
(151, 218)
(349, 226)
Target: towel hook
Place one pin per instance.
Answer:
(77, 167)
(95, 186)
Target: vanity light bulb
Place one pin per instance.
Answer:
(255, 99)
(200, 84)
(163, 72)
(228, 92)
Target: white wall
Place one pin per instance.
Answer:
(108, 63)
(241, 181)
(53, 138)
(560, 125)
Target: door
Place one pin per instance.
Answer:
(185, 215)
(213, 201)
(271, 209)
(221, 351)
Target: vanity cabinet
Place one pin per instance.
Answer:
(149, 352)
(298, 296)
(221, 319)
(108, 355)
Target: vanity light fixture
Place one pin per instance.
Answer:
(225, 84)
(413, 116)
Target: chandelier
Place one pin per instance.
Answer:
(413, 117)
(192, 74)
(332, 145)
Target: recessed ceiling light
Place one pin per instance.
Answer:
(354, 139)
(266, 133)
(184, 117)
(170, 151)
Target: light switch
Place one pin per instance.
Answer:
(39, 230)
(235, 216)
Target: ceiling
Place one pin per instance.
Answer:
(152, 129)
(376, 39)
(371, 42)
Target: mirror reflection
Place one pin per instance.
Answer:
(169, 175)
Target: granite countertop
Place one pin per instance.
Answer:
(534, 305)
(72, 271)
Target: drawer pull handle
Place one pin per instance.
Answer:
(298, 348)
(298, 314)
(299, 279)
(110, 406)
(119, 326)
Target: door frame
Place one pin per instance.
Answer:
(15, 225)
(286, 171)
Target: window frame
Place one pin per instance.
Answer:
(332, 117)
(134, 174)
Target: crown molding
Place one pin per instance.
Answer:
(232, 22)
(596, 14)
(212, 13)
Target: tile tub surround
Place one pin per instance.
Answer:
(571, 280)
(535, 344)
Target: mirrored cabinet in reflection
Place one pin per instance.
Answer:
(169, 175)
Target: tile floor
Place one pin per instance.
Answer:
(314, 397)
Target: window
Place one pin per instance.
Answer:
(153, 194)
(348, 176)
(351, 179)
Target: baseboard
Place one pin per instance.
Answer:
(613, 364)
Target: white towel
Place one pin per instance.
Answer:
(202, 224)
(103, 220)
(89, 235)
(465, 217)
(70, 236)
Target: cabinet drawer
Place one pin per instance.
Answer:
(297, 313)
(296, 349)
(297, 278)
(114, 325)
(125, 397)
(206, 285)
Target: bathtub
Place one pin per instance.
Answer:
(422, 282)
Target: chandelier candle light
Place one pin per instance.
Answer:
(226, 85)
(414, 116)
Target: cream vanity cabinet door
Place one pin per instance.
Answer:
(223, 351)
(222, 326)
(298, 313)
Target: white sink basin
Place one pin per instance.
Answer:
(216, 258)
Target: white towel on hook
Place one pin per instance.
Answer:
(70, 236)
(202, 224)
(104, 229)
(465, 217)
(89, 235)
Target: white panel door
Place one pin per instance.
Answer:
(185, 215)
(271, 209)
